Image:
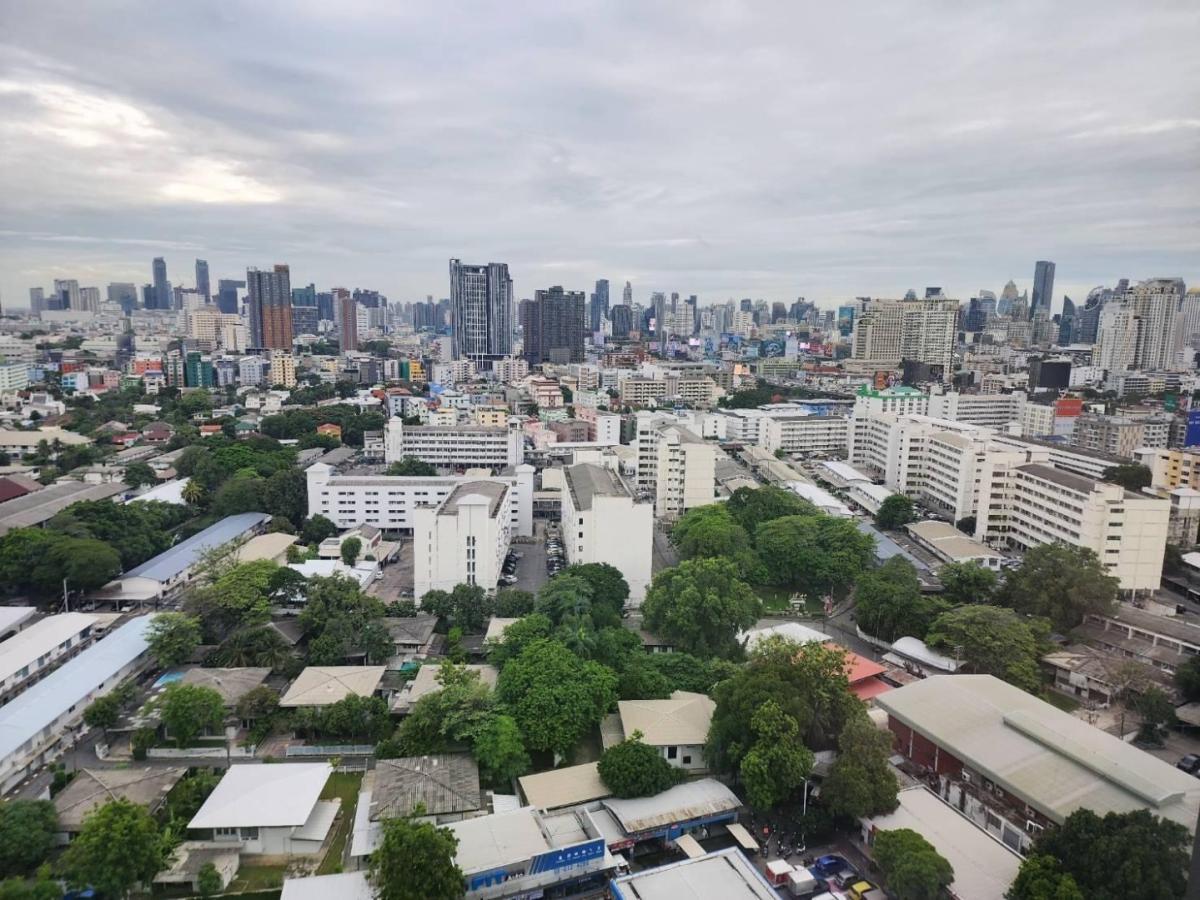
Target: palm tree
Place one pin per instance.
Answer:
(193, 493)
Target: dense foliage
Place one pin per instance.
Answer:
(700, 606)
(633, 768)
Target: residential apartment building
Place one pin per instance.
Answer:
(1120, 436)
(1170, 469)
(30, 655)
(462, 540)
(481, 305)
(990, 410)
(457, 447)
(674, 466)
(282, 369)
(269, 307)
(805, 434)
(553, 325)
(602, 522)
(891, 331)
(1026, 505)
(389, 501)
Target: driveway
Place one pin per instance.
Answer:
(531, 567)
(395, 582)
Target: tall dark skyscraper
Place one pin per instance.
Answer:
(163, 298)
(482, 308)
(622, 321)
(347, 319)
(270, 308)
(598, 310)
(553, 324)
(1043, 288)
(202, 282)
(227, 294)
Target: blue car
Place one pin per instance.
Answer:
(830, 867)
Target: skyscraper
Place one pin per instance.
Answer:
(553, 324)
(162, 287)
(890, 332)
(66, 294)
(347, 319)
(202, 282)
(1066, 322)
(123, 293)
(598, 311)
(481, 301)
(270, 308)
(1043, 287)
(622, 321)
(627, 295)
(227, 294)
(37, 300)
(89, 299)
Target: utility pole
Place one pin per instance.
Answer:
(66, 597)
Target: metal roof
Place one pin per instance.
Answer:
(442, 783)
(185, 554)
(39, 639)
(681, 719)
(24, 717)
(40, 506)
(690, 800)
(263, 796)
(1048, 758)
(564, 787)
(724, 875)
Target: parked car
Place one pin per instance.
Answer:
(1189, 764)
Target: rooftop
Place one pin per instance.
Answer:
(146, 786)
(1051, 760)
(587, 481)
(690, 800)
(983, 867)
(442, 783)
(26, 647)
(426, 680)
(14, 617)
(40, 506)
(265, 546)
(1069, 480)
(489, 842)
(567, 786)
(263, 796)
(343, 886)
(684, 718)
(723, 875)
(496, 626)
(325, 685)
(491, 491)
(28, 715)
(410, 630)
(1169, 626)
(232, 684)
(185, 554)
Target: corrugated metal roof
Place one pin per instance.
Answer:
(691, 800)
(183, 555)
(25, 716)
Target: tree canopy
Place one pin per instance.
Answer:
(187, 710)
(777, 762)
(750, 507)
(895, 512)
(1060, 582)
(173, 638)
(993, 640)
(1042, 878)
(415, 861)
(633, 768)
(700, 606)
(1131, 476)
(118, 847)
(913, 869)
(555, 696)
(967, 582)
(861, 783)
(467, 606)
(816, 553)
(889, 603)
(27, 829)
(410, 465)
(711, 531)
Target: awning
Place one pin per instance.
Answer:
(743, 837)
(690, 846)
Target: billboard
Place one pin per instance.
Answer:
(1192, 438)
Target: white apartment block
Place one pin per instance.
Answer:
(1028, 505)
(464, 539)
(510, 368)
(603, 523)
(903, 401)
(989, 410)
(674, 466)
(1037, 420)
(457, 447)
(282, 369)
(805, 434)
(389, 501)
(890, 331)
(28, 656)
(698, 390)
(13, 376)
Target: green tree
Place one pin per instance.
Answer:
(777, 763)
(1041, 878)
(564, 595)
(500, 751)
(357, 718)
(27, 829)
(861, 783)
(889, 603)
(512, 603)
(1143, 855)
(44, 888)
(750, 507)
(316, 529)
(992, 640)
(555, 696)
(807, 681)
(818, 554)
(700, 606)
(208, 881)
(967, 582)
(1187, 678)
(912, 867)
(239, 596)
(635, 769)
(1131, 476)
(351, 547)
(609, 590)
(194, 493)
(410, 465)
(712, 531)
(255, 646)
(118, 848)
(685, 672)
(103, 713)
(258, 703)
(173, 638)
(461, 712)
(285, 493)
(895, 512)
(415, 861)
(1061, 583)
(139, 473)
(1155, 710)
(240, 494)
(187, 710)
(517, 637)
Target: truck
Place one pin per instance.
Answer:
(802, 883)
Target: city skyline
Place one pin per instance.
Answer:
(681, 161)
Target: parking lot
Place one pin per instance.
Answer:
(531, 567)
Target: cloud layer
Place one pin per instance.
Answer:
(727, 149)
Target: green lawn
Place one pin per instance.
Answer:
(257, 878)
(779, 599)
(1062, 701)
(343, 785)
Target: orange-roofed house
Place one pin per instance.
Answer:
(330, 429)
(863, 673)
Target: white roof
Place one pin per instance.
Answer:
(25, 647)
(724, 875)
(489, 842)
(820, 498)
(497, 624)
(167, 492)
(564, 787)
(683, 718)
(12, 616)
(264, 796)
(983, 867)
(916, 649)
(793, 631)
(843, 470)
(323, 685)
(690, 800)
(426, 679)
(363, 572)
(345, 886)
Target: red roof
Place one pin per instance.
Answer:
(872, 687)
(11, 490)
(858, 668)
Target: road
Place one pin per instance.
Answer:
(396, 580)
(531, 567)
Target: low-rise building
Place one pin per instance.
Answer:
(145, 786)
(677, 727)
(29, 656)
(457, 447)
(602, 522)
(318, 686)
(950, 545)
(721, 875)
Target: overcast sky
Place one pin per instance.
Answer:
(731, 149)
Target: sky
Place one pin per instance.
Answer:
(760, 149)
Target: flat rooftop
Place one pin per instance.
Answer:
(586, 481)
(724, 875)
(491, 491)
(40, 506)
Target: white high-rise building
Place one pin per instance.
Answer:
(674, 466)
(603, 523)
(463, 540)
(1137, 330)
(891, 331)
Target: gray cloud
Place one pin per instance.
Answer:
(765, 149)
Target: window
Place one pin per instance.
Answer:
(672, 752)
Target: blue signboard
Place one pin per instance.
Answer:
(567, 857)
(1192, 438)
